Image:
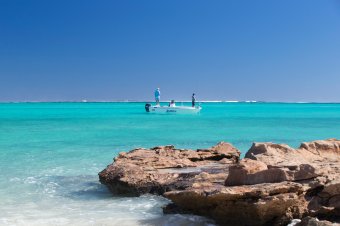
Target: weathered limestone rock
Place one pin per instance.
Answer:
(243, 205)
(324, 148)
(222, 150)
(311, 160)
(291, 163)
(326, 203)
(273, 184)
(249, 172)
(268, 166)
(165, 168)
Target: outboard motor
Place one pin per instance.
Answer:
(147, 107)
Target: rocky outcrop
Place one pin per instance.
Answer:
(244, 205)
(326, 202)
(272, 185)
(280, 162)
(249, 172)
(165, 168)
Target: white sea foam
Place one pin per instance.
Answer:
(210, 101)
(294, 222)
(139, 211)
(231, 101)
(82, 200)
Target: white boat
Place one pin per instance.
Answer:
(176, 109)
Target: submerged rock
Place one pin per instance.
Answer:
(272, 185)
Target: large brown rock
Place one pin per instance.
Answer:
(323, 148)
(244, 205)
(313, 159)
(165, 168)
(247, 172)
(220, 151)
(326, 203)
(250, 171)
(273, 184)
(286, 162)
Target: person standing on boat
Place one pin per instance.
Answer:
(193, 100)
(172, 103)
(157, 96)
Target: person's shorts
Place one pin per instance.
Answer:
(157, 98)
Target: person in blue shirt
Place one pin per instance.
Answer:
(157, 96)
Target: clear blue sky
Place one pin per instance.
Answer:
(116, 50)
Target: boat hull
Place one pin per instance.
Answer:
(173, 110)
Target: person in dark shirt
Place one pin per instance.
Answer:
(193, 100)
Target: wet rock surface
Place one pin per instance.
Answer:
(272, 185)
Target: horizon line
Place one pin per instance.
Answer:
(179, 101)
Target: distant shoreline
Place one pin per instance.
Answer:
(167, 101)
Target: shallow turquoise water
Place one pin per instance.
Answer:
(50, 153)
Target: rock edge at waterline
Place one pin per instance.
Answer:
(273, 184)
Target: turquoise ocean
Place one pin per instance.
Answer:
(51, 153)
